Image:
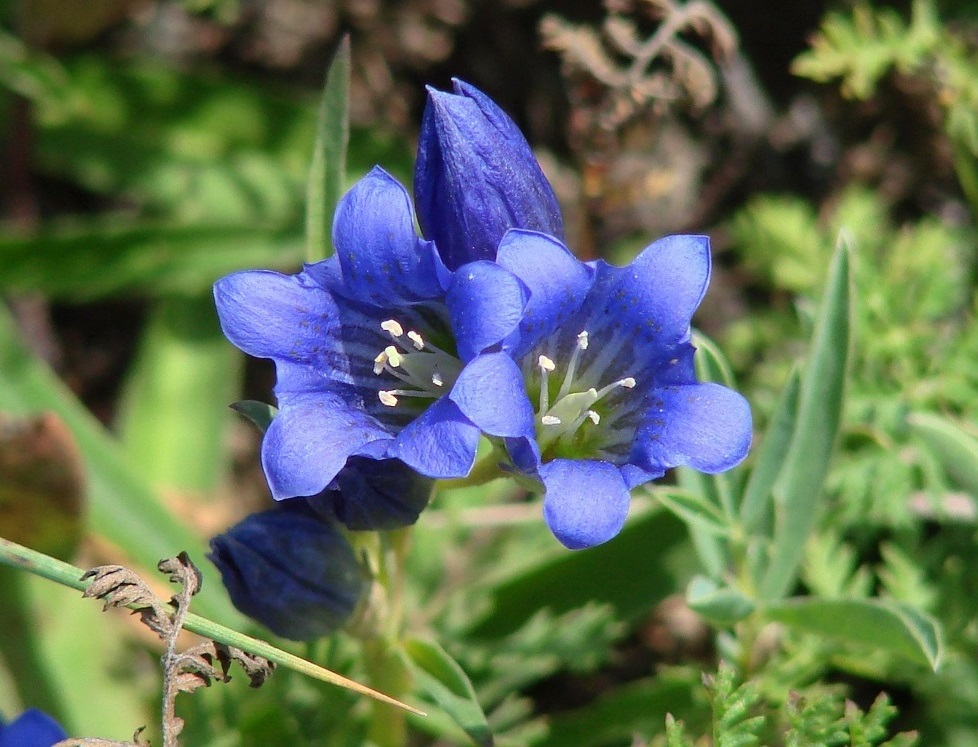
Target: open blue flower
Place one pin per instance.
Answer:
(33, 728)
(381, 353)
(605, 359)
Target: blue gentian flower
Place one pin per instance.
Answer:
(605, 359)
(382, 353)
(475, 178)
(33, 728)
(290, 570)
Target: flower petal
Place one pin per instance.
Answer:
(309, 441)
(703, 426)
(558, 283)
(586, 501)
(32, 728)
(270, 315)
(490, 393)
(382, 259)
(476, 177)
(441, 443)
(652, 299)
(370, 494)
(485, 302)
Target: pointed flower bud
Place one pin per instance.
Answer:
(290, 570)
(33, 728)
(476, 178)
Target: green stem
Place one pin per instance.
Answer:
(18, 556)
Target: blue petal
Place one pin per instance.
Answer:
(441, 443)
(375, 495)
(290, 570)
(309, 441)
(33, 728)
(703, 426)
(652, 299)
(270, 315)
(485, 303)
(476, 177)
(558, 283)
(586, 501)
(382, 259)
(490, 393)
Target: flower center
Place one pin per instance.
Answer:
(572, 410)
(426, 370)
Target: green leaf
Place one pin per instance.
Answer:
(799, 486)
(329, 155)
(954, 448)
(720, 606)
(259, 413)
(173, 422)
(878, 623)
(93, 259)
(444, 681)
(756, 507)
(694, 509)
(124, 509)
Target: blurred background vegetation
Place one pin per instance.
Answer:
(148, 147)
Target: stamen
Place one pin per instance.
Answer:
(380, 362)
(546, 366)
(392, 326)
(437, 380)
(626, 383)
(393, 357)
(593, 416)
(415, 338)
(550, 420)
(565, 387)
(387, 398)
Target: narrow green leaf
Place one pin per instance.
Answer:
(756, 507)
(173, 422)
(328, 168)
(711, 548)
(719, 605)
(711, 363)
(954, 448)
(694, 509)
(123, 507)
(259, 413)
(444, 681)
(798, 487)
(882, 624)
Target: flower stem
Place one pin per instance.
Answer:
(18, 556)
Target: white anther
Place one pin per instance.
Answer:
(415, 338)
(582, 340)
(545, 363)
(395, 329)
(550, 420)
(437, 380)
(593, 417)
(380, 361)
(627, 382)
(387, 398)
(393, 357)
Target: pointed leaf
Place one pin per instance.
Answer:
(954, 448)
(329, 155)
(443, 680)
(694, 509)
(720, 606)
(799, 485)
(882, 624)
(259, 413)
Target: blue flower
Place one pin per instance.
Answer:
(382, 352)
(476, 177)
(604, 357)
(33, 728)
(290, 570)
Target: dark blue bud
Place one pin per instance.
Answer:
(371, 494)
(290, 570)
(475, 178)
(33, 728)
